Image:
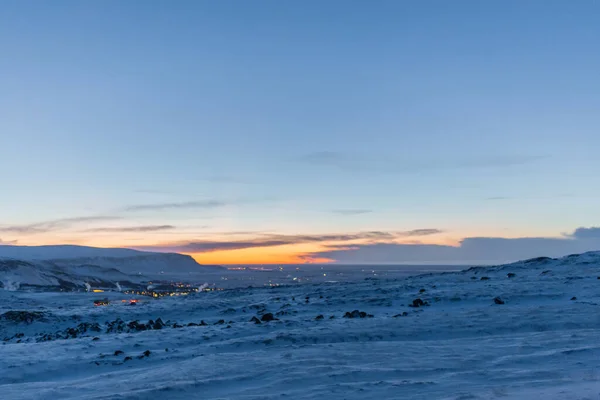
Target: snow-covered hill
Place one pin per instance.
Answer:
(520, 331)
(65, 266)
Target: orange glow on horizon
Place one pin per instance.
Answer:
(288, 254)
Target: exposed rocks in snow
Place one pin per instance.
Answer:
(422, 291)
(119, 352)
(485, 278)
(220, 322)
(511, 275)
(159, 324)
(319, 317)
(498, 300)
(418, 303)
(255, 320)
(404, 314)
(573, 298)
(26, 317)
(357, 314)
(268, 317)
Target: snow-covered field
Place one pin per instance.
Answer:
(543, 342)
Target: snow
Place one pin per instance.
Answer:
(540, 343)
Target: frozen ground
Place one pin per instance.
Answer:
(541, 343)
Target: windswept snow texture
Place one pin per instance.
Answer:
(542, 340)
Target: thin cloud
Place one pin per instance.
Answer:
(423, 232)
(273, 240)
(200, 204)
(357, 211)
(147, 228)
(54, 225)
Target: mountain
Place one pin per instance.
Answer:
(69, 267)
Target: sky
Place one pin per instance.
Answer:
(286, 132)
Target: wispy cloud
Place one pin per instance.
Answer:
(54, 225)
(199, 204)
(146, 228)
(356, 211)
(7, 242)
(423, 232)
(272, 240)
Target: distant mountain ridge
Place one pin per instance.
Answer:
(73, 266)
(51, 252)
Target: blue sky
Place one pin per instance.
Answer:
(229, 118)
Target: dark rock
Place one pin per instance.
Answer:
(118, 352)
(485, 278)
(332, 317)
(417, 303)
(127, 359)
(176, 325)
(166, 349)
(202, 323)
(357, 314)
(473, 277)
(573, 298)
(220, 322)
(255, 320)
(159, 324)
(511, 275)
(404, 314)
(96, 338)
(26, 317)
(268, 317)
(319, 317)
(192, 324)
(422, 291)
(147, 353)
(498, 300)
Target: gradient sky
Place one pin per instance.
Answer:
(280, 131)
